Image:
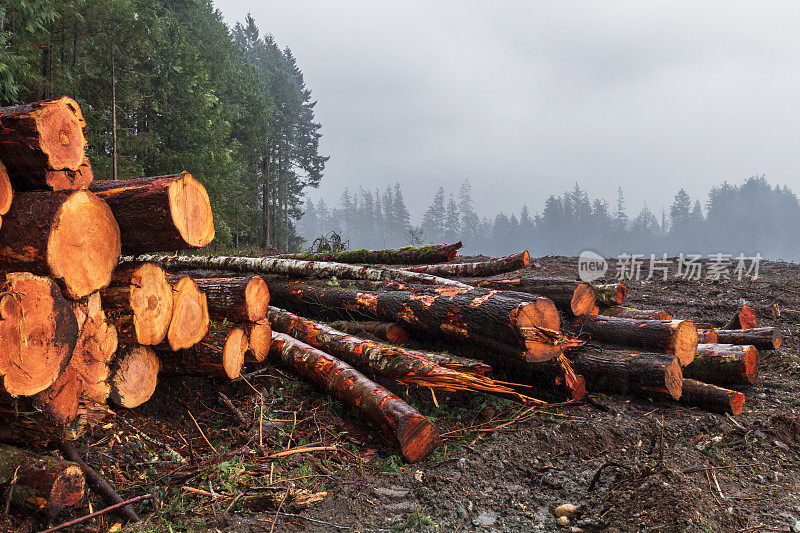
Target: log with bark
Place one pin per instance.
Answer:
(190, 318)
(471, 270)
(706, 336)
(626, 372)
(670, 336)
(134, 376)
(743, 318)
(40, 137)
(411, 432)
(409, 367)
(139, 301)
(219, 355)
(71, 236)
(387, 331)
(409, 255)
(43, 483)
(162, 213)
(724, 364)
(630, 312)
(609, 294)
(570, 297)
(711, 397)
(6, 192)
(259, 337)
(241, 299)
(768, 338)
(38, 332)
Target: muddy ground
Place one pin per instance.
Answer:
(628, 464)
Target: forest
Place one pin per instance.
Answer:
(167, 86)
(751, 217)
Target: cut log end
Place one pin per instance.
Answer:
(685, 341)
(711, 397)
(190, 318)
(583, 299)
(417, 437)
(151, 303)
(68, 488)
(236, 345)
(60, 126)
(257, 298)
(84, 245)
(62, 180)
(259, 339)
(6, 191)
(541, 313)
(191, 211)
(673, 378)
(135, 376)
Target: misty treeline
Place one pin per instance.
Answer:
(167, 86)
(753, 217)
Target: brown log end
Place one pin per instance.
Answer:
(396, 334)
(673, 378)
(747, 318)
(68, 489)
(236, 345)
(38, 332)
(66, 179)
(257, 298)
(417, 437)
(60, 125)
(84, 245)
(583, 299)
(526, 258)
(190, 318)
(151, 302)
(259, 340)
(706, 336)
(750, 363)
(135, 376)
(6, 191)
(191, 213)
(685, 341)
(541, 313)
(737, 403)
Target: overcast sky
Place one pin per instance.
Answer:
(526, 98)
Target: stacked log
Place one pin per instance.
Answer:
(724, 364)
(570, 297)
(410, 255)
(471, 270)
(762, 338)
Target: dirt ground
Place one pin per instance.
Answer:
(628, 464)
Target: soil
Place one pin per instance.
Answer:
(627, 464)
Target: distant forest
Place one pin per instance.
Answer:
(754, 217)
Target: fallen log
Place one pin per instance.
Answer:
(724, 364)
(471, 270)
(625, 372)
(40, 137)
(162, 213)
(768, 338)
(139, 301)
(639, 314)
(411, 432)
(219, 355)
(570, 297)
(43, 483)
(38, 332)
(6, 191)
(706, 336)
(242, 299)
(71, 236)
(609, 294)
(259, 337)
(406, 366)
(711, 398)
(409, 255)
(190, 318)
(387, 331)
(743, 318)
(670, 336)
(135, 375)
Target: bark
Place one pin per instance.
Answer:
(219, 355)
(410, 255)
(624, 372)
(711, 398)
(724, 364)
(640, 314)
(139, 301)
(134, 376)
(242, 299)
(42, 482)
(71, 236)
(570, 297)
(743, 318)
(259, 337)
(706, 336)
(387, 331)
(762, 338)
(411, 432)
(671, 336)
(610, 294)
(162, 213)
(471, 270)
(39, 137)
(38, 332)
(67, 179)
(377, 359)
(190, 318)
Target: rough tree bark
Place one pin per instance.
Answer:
(139, 301)
(219, 355)
(134, 376)
(471, 270)
(411, 432)
(241, 299)
(762, 338)
(190, 318)
(387, 331)
(624, 372)
(162, 213)
(410, 255)
(724, 364)
(711, 398)
(71, 236)
(639, 314)
(570, 297)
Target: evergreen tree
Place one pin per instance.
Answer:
(433, 219)
(452, 224)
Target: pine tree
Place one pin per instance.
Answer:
(452, 224)
(433, 219)
(469, 218)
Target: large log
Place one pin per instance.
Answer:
(139, 301)
(481, 268)
(640, 314)
(625, 372)
(6, 191)
(71, 236)
(38, 332)
(410, 255)
(190, 318)
(162, 213)
(711, 397)
(259, 337)
(743, 318)
(724, 364)
(706, 336)
(68, 179)
(762, 338)
(670, 336)
(219, 355)
(406, 366)
(40, 482)
(41, 137)
(411, 432)
(387, 331)
(241, 299)
(570, 297)
(609, 294)
(134, 376)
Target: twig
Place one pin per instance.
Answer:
(236, 499)
(302, 449)
(11, 491)
(316, 521)
(695, 468)
(232, 408)
(178, 458)
(596, 476)
(97, 480)
(97, 513)
(201, 432)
